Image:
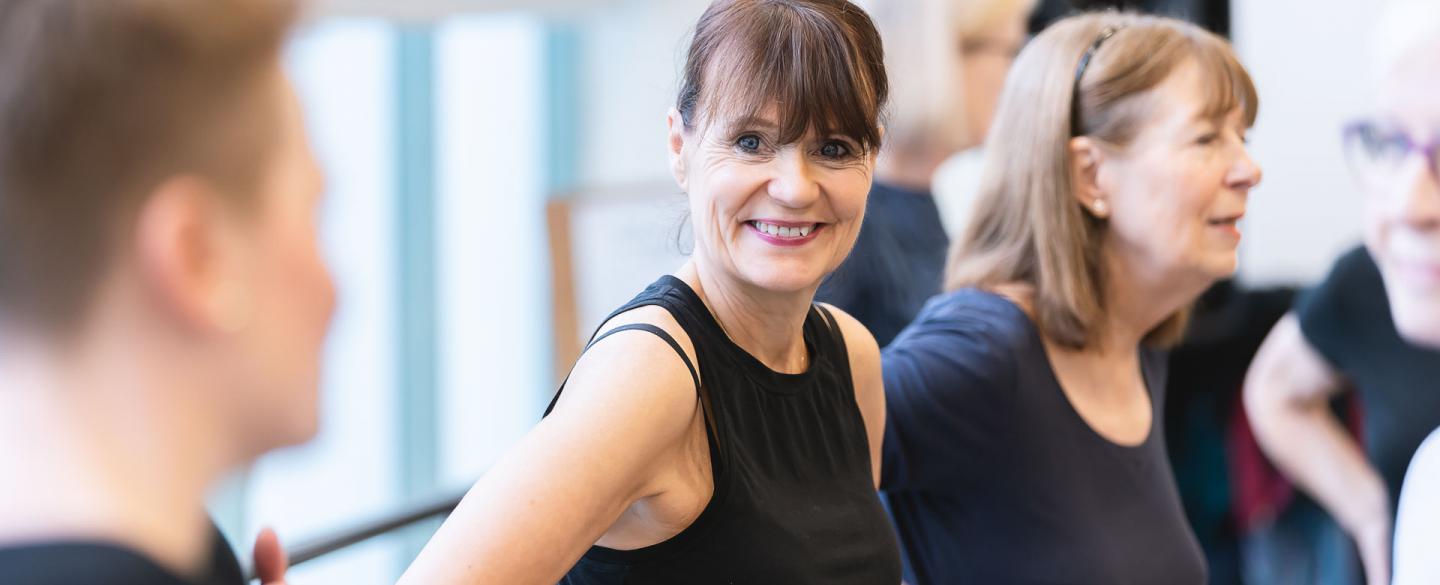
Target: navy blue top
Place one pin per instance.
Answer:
(897, 263)
(1347, 320)
(992, 476)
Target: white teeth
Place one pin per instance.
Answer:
(783, 232)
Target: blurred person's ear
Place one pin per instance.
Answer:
(190, 258)
(676, 125)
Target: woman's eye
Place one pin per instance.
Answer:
(1207, 139)
(835, 149)
(748, 143)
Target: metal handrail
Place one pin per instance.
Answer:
(361, 532)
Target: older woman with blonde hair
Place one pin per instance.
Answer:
(1023, 440)
(947, 60)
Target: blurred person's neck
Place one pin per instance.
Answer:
(107, 441)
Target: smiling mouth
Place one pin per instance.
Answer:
(795, 231)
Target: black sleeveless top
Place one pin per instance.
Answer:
(794, 499)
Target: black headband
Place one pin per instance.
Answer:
(1105, 35)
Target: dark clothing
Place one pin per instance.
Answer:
(1202, 397)
(794, 499)
(94, 563)
(896, 265)
(993, 477)
(1347, 319)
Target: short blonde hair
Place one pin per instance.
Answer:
(922, 54)
(101, 100)
(1028, 226)
(1403, 26)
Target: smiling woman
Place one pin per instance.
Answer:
(735, 438)
(1117, 172)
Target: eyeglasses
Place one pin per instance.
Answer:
(1377, 154)
(993, 46)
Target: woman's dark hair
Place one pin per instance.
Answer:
(818, 63)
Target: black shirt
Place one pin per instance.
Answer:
(1347, 319)
(94, 563)
(992, 476)
(896, 265)
(794, 500)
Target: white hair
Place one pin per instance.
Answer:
(1403, 26)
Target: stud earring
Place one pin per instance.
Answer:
(1100, 208)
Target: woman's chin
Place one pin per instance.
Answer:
(778, 280)
(1220, 264)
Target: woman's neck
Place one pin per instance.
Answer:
(767, 325)
(1134, 306)
(106, 455)
(1138, 300)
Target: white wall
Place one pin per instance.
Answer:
(1310, 60)
(630, 59)
(491, 264)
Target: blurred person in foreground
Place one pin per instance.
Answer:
(163, 301)
(1373, 325)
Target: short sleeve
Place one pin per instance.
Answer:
(1335, 314)
(947, 379)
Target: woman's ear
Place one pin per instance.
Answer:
(1085, 160)
(676, 124)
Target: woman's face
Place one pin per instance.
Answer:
(1402, 204)
(779, 217)
(1176, 194)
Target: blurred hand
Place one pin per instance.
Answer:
(1373, 540)
(270, 559)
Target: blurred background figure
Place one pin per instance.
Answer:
(948, 59)
(163, 301)
(1373, 325)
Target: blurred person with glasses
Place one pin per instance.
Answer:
(1373, 325)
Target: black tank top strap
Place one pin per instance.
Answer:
(834, 329)
(663, 335)
(712, 431)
